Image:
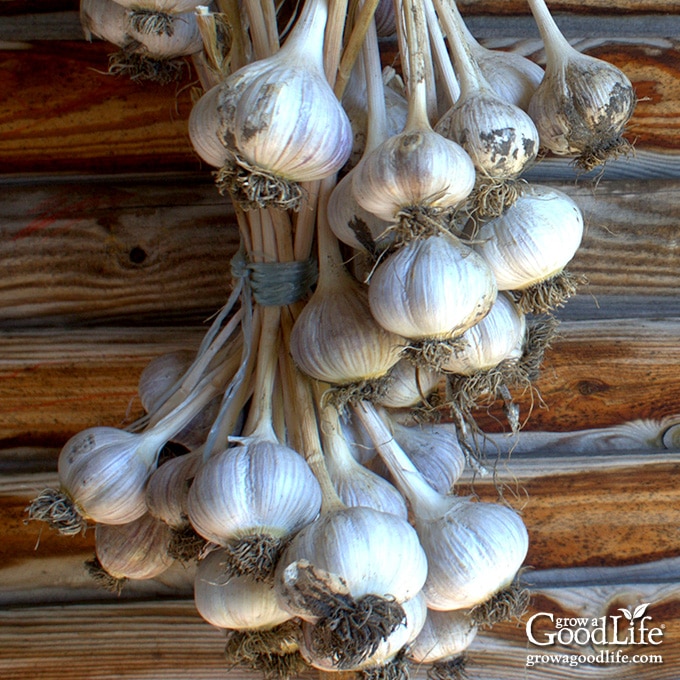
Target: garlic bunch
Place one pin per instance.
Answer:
(281, 121)
(408, 385)
(144, 55)
(348, 573)
(528, 247)
(474, 549)
(136, 550)
(583, 104)
(500, 137)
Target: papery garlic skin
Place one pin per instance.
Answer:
(434, 287)
(204, 128)
(414, 168)
(474, 550)
(104, 471)
(499, 336)
(444, 635)
(164, 6)
(374, 552)
(408, 385)
(136, 550)
(336, 338)
(255, 487)
(234, 602)
(533, 239)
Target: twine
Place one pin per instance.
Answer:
(275, 284)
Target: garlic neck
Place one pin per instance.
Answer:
(376, 132)
(306, 40)
(556, 45)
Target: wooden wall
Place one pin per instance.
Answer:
(114, 248)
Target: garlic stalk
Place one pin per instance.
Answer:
(474, 549)
(281, 121)
(528, 247)
(252, 496)
(583, 104)
(501, 138)
(335, 338)
(103, 471)
(137, 550)
(417, 171)
(355, 484)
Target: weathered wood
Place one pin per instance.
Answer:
(130, 249)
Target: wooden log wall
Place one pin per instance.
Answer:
(115, 248)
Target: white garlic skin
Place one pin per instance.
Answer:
(336, 338)
(473, 551)
(403, 635)
(434, 287)
(204, 128)
(360, 444)
(582, 105)
(497, 337)
(168, 488)
(408, 386)
(257, 486)
(500, 138)
(373, 552)
(414, 168)
(104, 471)
(160, 374)
(234, 602)
(435, 451)
(162, 6)
(137, 550)
(532, 240)
(445, 635)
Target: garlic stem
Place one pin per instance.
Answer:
(441, 55)
(427, 504)
(416, 38)
(258, 29)
(239, 38)
(305, 41)
(556, 45)
(376, 132)
(271, 28)
(335, 26)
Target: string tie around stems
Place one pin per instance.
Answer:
(275, 284)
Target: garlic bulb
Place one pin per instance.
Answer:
(444, 636)
(160, 374)
(500, 138)
(355, 484)
(204, 128)
(385, 652)
(336, 338)
(434, 287)
(253, 495)
(408, 385)
(497, 337)
(434, 450)
(144, 55)
(532, 241)
(474, 549)
(583, 104)
(348, 572)
(136, 550)
(287, 123)
(418, 169)
(231, 601)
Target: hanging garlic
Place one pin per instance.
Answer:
(417, 171)
(103, 471)
(443, 639)
(144, 55)
(401, 638)
(528, 247)
(136, 550)
(350, 222)
(158, 16)
(408, 385)
(281, 120)
(204, 128)
(349, 572)
(500, 138)
(360, 445)
(499, 336)
(252, 496)
(433, 287)
(336, 338)
(474, 549)
(583, 104)
(434, 450)
(355, 484)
